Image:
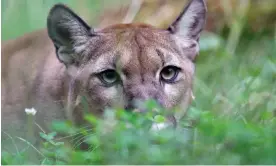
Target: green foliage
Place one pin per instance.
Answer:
(126, 138)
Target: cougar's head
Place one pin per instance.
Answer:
(125, 64)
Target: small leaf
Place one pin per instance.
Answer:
(43, 135)
(52, 135)
(91, 119)
(159, 119)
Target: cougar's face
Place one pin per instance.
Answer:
(129, 64)
(124, 65)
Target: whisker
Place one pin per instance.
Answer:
(90, 148)
(84, 127)
(80, 142)
(77, 143)
(77, 138)
(72, 135)
(83, 139)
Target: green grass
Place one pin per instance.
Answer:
(231, 121)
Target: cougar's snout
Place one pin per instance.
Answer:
(137, 97)
(137, 105)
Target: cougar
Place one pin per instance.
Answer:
(117, 66)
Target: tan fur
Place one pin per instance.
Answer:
(30, 72)
(52, 80)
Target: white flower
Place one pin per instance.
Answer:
(30, 111)
(159, 126)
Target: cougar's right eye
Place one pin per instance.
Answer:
(169, 74)
(109, 77)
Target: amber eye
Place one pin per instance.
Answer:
(109, 77)
(169, 74)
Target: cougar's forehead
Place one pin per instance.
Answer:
(134, 49)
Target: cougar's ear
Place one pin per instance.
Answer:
(191, 20)
(68, 32)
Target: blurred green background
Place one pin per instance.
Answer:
(235, 75)
(19, 17)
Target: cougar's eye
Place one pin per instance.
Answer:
(169, 74)
(109, 77)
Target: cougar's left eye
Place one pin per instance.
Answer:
(109, 77)
(169, 74)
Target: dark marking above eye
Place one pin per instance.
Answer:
(161, 55)
(126, 72)
(192, 45)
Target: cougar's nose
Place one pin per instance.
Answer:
(136, 105)
(138, 95)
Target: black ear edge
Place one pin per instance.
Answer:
(173, 28)
(51, 22)
(61, 6)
